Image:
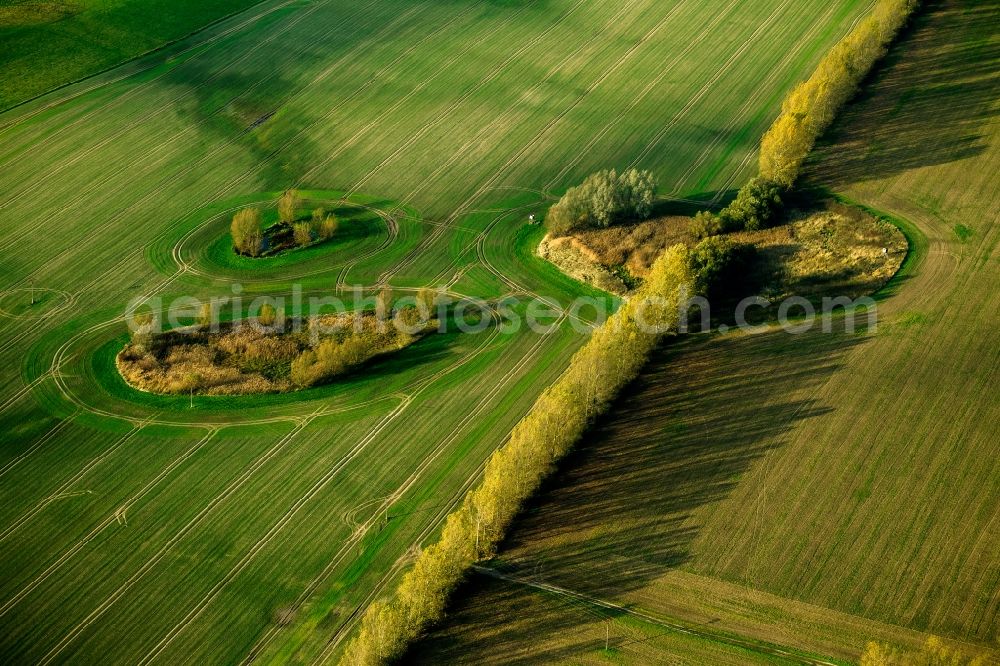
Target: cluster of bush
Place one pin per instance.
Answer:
(757, 206)
(597, 372)
(807, 112)
(249, 237)
(603, 199)
(268, 355)
(934, 652)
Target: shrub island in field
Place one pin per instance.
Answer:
(295, 228)
(268, 354)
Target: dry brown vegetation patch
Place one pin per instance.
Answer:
(838, 249)
(250, 358)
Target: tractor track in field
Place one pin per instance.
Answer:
(738, 117)
(209, 155)
(115, 517)
(44, 439)
(707, 87)
(501, 171)
(215, 75)
(705, 32)
(230, 489)
(500, 120)
(65, 487)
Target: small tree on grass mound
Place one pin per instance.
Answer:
(302, 233)
(248, 238)
(288, 204)
(603, 199)
(327, 227)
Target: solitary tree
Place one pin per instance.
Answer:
(287, 205)
(246, 231)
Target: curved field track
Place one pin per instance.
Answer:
(813, 491)
(145, 528)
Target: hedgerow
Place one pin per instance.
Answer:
(597, 372)
(806, 114)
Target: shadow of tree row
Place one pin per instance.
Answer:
(621, 510)
(928, 103)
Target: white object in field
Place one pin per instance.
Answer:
(885, 252)
(531, 218)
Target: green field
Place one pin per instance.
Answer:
(137, 528)
(51, 44)
(813, 491)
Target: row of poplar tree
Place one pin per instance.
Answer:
(617, 350)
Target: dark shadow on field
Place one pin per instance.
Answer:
(620, 512)
(928, 102)
(243, 110)
(246, 100)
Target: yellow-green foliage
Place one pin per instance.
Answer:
(602, 199)
(288, 204)
(597, 372)
(933, 653)
(812, 106)
(303, 234)
(248, 236)
(324, 225)
(327, 227)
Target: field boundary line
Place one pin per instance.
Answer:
(153, 51)
(172, 139)
(580, 597)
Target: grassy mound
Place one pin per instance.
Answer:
(836, 249)
(248, 357)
